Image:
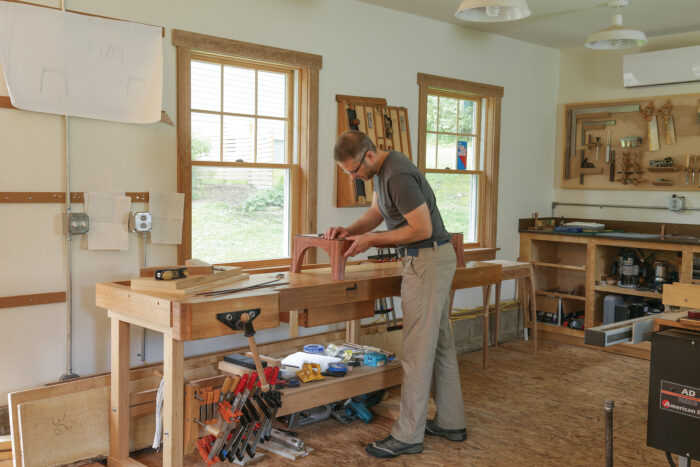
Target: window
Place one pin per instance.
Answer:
(458, 152)
(246, 153)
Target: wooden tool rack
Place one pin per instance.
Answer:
(386, 126)
(647, 143)
(183, 318)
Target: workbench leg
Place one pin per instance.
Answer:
(294, 323)
(173, 372)
(487, 298)
(352, 331)
(496, 314)
(119, 395)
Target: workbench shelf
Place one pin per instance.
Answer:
(626, 291)
(560, 295)
(559, 266)
(568, 270)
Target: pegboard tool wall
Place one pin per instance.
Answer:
(586, 127)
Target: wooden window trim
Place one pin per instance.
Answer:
(492, 95)
(304, 215)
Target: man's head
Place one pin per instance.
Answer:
(356, 154)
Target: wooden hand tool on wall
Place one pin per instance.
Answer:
(649, 114)
(665, 112)
(386, 126)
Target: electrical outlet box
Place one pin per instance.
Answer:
(140, 221)
(676, 203)
(77, 223)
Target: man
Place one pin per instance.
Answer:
(403, 199)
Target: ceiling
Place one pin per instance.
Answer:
(566, 23)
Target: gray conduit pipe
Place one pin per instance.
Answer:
(69, 292)
(623, 206)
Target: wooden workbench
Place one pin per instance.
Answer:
(184, 317)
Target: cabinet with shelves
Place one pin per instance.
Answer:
(578, 270)
(559, 265)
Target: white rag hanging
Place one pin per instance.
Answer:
(159, 415)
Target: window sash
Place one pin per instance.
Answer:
(479, 117)
(256, 66)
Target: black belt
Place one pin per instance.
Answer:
(415, 250)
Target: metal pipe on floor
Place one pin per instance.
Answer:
(609, 405)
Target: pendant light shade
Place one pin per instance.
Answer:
(492, 10)
(616, 36)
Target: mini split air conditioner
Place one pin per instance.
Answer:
(662, 67)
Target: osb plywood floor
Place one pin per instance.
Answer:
(521, 411)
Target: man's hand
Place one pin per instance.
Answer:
(337, 232)
(360, 243)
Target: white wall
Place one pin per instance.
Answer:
(596, 75)
(367, 51)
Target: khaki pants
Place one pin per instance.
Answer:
(428, 350)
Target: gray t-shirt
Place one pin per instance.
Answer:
(400, 189)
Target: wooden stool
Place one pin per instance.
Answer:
(523, 273)
(335, 249)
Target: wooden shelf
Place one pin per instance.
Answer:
(663, 169)
(559, 266)
(625, 291)
(559, 329)
(560, 295)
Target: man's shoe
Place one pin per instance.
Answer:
(432, 429)
(392, 447)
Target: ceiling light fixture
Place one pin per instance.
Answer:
(492, 10)
(616, 36)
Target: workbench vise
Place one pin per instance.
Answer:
(236, 321)
(243, 321)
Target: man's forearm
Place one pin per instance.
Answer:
(401, 236)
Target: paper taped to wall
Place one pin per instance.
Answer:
(109, 216)
(167, 210)
(71, 64)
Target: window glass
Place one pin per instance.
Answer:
(239, 90)
(206, 137)
(272, 140)
(467, 117)
(456, 197)
(239, 137)
(447, 152)
(447, 115)
(431, 151)
(206, 86)
(240, 214)
(271, 94)
(431, 117)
